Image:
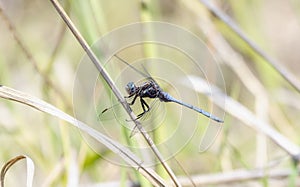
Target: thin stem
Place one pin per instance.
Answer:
(285, 73)
(31, 58)
(236, 176)
(111, 84)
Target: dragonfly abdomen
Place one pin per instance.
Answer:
(165, 97)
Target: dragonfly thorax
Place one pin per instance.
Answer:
(131, 88)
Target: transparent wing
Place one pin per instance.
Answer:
(149, 117)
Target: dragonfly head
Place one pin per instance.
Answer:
(130, 88)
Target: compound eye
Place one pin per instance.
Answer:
(130, 88)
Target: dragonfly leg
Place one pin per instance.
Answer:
(133, 101)
(129, 96)
(145, 107)
(145, 104)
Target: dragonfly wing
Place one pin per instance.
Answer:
(145, 74)
(148, 117)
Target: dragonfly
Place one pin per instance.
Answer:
(150, 89)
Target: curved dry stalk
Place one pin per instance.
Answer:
(112, 86)
(11, 162)
(123, 152)
(285, 73)
(6, 167)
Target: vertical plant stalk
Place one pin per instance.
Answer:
(111, 84)
(285, 73)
